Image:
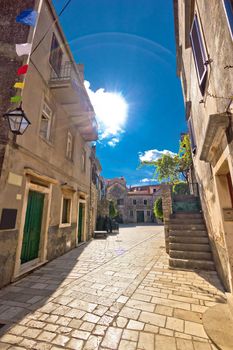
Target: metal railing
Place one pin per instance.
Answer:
(66, 71)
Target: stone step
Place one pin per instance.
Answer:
(188, 233)
(192, 227)
(190, 247)
(192, 264)
(190, 255)
(185, 239)
(186, 221)
(230, 302)
(187, 214)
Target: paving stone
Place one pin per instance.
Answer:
(75, 344)
(127, 345)
(163, 310)
(183, 344)
(80, 334)
(175, 323)
(46, 336)
(87, 326)
(146, 341)
(130, 313)
(166, 331)
(135, 325)
(100, 330)
(91, 318)
(4, 346)
(32, 333)
(61, 340)
(93, 343)
(151, 318)
(130, 335)
(141, 297)
(150, 328)
(75, 323)
(141, 305)
(122, 299)
(27, 343)
(105, 320)
(163, 342)
(112, 338)
(17, 330)
(195, 329)
(201, 346)
(188, 315)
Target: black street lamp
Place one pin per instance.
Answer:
(18, 121)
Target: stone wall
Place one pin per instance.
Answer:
(8, 244)
(60, 240)
(167, 211)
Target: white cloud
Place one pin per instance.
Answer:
(148, 180)
(153, 154)
(111, 113)
(113, 142)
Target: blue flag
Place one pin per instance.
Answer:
(27, 17)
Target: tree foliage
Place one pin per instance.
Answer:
(158, 208)
(112, 210)
(173, 168)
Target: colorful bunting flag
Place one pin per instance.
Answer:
(22, 69)
(16, 99)
(23, 49)
(19, 85)
(27, 17)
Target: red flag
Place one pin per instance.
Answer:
(22, 69)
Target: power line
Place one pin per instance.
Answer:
(49, 28)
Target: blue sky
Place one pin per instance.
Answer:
(128, 47)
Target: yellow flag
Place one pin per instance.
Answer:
(19, 85)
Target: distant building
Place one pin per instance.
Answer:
(48, 187)
(134, 204)
(204, 46)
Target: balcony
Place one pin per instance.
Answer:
(71, 94)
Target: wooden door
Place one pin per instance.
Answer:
(140, 216)
(32, 226)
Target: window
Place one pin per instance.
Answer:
(83, 160)
(46, 121)
(145, 202)
(55, 57)
(134, 201)
(148, 213)
(198, 53)
(120, 201)
(131, 213)
(66, 211)
(154, 190)
(228, 5)
(69, 146)
(192, 136)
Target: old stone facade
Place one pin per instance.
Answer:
(204, 43)
(134, 204)
(46, 191)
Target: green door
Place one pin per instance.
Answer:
(140, 216)
(32, 226)
(80, 221)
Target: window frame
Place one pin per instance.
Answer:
(131, 212)
(56, 55)
(69, 150)
(134, 202)
(145, 201)
(192, 136)
(49, 117)
(201, 79)
(226, 9)
(83, 160)
(69, 215)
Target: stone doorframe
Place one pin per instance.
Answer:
(42, 184)
(220, 170)
(82, 198)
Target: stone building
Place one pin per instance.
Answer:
(46, 200)
(204, 45)
(134, 204)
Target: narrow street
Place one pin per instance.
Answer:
(114, 293)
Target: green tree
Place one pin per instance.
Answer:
(158, 208)
(112, 210)
(173, 168)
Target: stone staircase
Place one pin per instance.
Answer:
(188, 240)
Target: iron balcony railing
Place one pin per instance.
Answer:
(65, 72)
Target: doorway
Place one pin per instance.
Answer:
(81, 222)
(32, 227)
(140, 216)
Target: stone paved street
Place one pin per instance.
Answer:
(114, 293)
